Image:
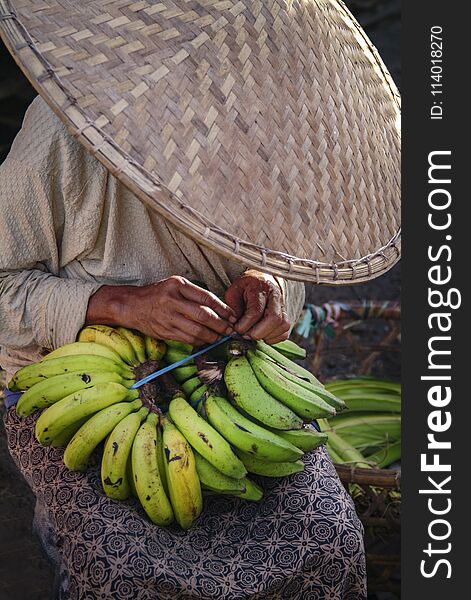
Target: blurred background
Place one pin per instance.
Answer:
(25, 573)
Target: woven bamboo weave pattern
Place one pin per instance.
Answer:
(267, 130)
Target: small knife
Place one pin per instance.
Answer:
(180, 362)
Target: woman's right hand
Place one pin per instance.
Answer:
(173, 308)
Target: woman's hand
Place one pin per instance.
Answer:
(257, 301)
(173, 308)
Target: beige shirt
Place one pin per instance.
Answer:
(67, 227)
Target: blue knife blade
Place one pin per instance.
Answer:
(180, 362)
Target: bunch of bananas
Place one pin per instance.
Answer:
(368, 432)
(198, 431)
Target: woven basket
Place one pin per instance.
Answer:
(363, 339)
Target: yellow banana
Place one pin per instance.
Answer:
(49, 391)
(137, 342)
(205, 439)
(155, 349)
(249, 395)
(111, 338)
(93, 432)
(84, 348)
(147, 479)
(182, 478)
(181, 346)
(32, 374)
(116, 455)
(77, 406)
(245, 435)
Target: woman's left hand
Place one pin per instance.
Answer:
(257, 300)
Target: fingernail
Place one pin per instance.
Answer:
(232, 320)
(246, 337)
(229, 331)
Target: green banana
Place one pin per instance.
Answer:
(248, 394)
(180, 346)
(198, 394)
(49, 391)
(306, 439)
(286, 362)
(137, 342)
(155, 349)
(145, 470)
(385, 456)
(94, 431)
(110, 337)
(116, 453)
(319, 390)
(253, 492)
(173, 355)
(182, 478)
(304, 403)
(78, 406)
(364, 383)
(213, 478)
(191, 385)
(184, 373)
(28, 376)
(290, 349)
(371, 401)
(269, 469)
(205, 439)
(344, 450)
(245, 435)
(84, 348)
(63, 437)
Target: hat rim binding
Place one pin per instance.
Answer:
(159, 198)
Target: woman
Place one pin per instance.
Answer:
(266, 132)
(80, 248)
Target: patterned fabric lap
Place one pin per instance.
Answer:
(303, 540)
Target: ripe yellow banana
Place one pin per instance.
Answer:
(147, 479)
(137, 342)
(161, 454)
(110, 337)
(49, 391)
(205, 439)
(77, 406)
(303, 402)
(213, 479)
(84, 348)
(155, 349)
(32, 374)
(269, 469)
(245, 435)
(116, 455)
(249, 395)
(94, 431)
(182, 478)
